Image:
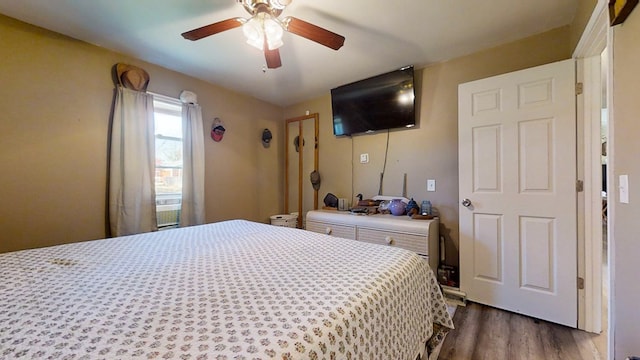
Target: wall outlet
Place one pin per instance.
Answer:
(364, 158)
(431, 185)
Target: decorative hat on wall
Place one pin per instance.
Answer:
(132, 77)
(217, 130)
(315, 179)
(188, 97)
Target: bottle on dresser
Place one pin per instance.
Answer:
(425, 207)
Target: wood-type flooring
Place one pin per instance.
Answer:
(483, 332)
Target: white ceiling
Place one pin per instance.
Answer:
(380, 36)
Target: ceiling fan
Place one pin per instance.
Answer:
(264, 29)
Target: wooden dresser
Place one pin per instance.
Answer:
(420, 236)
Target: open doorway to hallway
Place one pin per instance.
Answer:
(601, 340)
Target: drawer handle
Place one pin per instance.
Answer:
(389, 240)
(328, 231)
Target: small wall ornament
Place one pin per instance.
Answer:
(266, 137)
(217, 130)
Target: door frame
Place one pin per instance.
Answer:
(594, 40)
(300, 184)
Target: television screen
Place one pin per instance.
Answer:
(381, 102)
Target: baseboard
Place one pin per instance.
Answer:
(454, 295)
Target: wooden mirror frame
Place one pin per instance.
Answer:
(301, 146)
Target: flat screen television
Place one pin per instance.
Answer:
(381, 102)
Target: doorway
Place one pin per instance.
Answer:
(593, 57)
(596, 226)
(301, 149)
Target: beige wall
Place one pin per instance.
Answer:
(430, 150)
(580, 20)
(624, 158)
(55, 102)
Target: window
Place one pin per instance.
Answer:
(168, 175)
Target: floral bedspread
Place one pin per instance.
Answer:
(229, 290)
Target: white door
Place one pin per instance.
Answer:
(517, 169)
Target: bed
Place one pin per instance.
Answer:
(230, 290)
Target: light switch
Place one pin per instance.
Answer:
(364, 158)
(624, 189)
(431, 185)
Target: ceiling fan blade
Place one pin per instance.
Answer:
(313, 32)
(273, 58)
(208, 30)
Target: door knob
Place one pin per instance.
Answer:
(466, 202)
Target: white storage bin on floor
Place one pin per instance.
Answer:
(284, 220)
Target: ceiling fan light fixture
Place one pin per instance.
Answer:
(273, 44)
(252, 30)
(261, 26)
(273, 31)
(258, 44)
(279, 4)
(264, 29)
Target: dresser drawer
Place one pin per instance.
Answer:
(415, 243)
(343, 231)
(419, 236)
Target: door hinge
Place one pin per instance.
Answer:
(579, 88)
(579, 186)
(580, 283)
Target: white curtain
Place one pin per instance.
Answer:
(192, 212)
(132, 198)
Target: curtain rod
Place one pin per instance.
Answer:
(165, 97)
